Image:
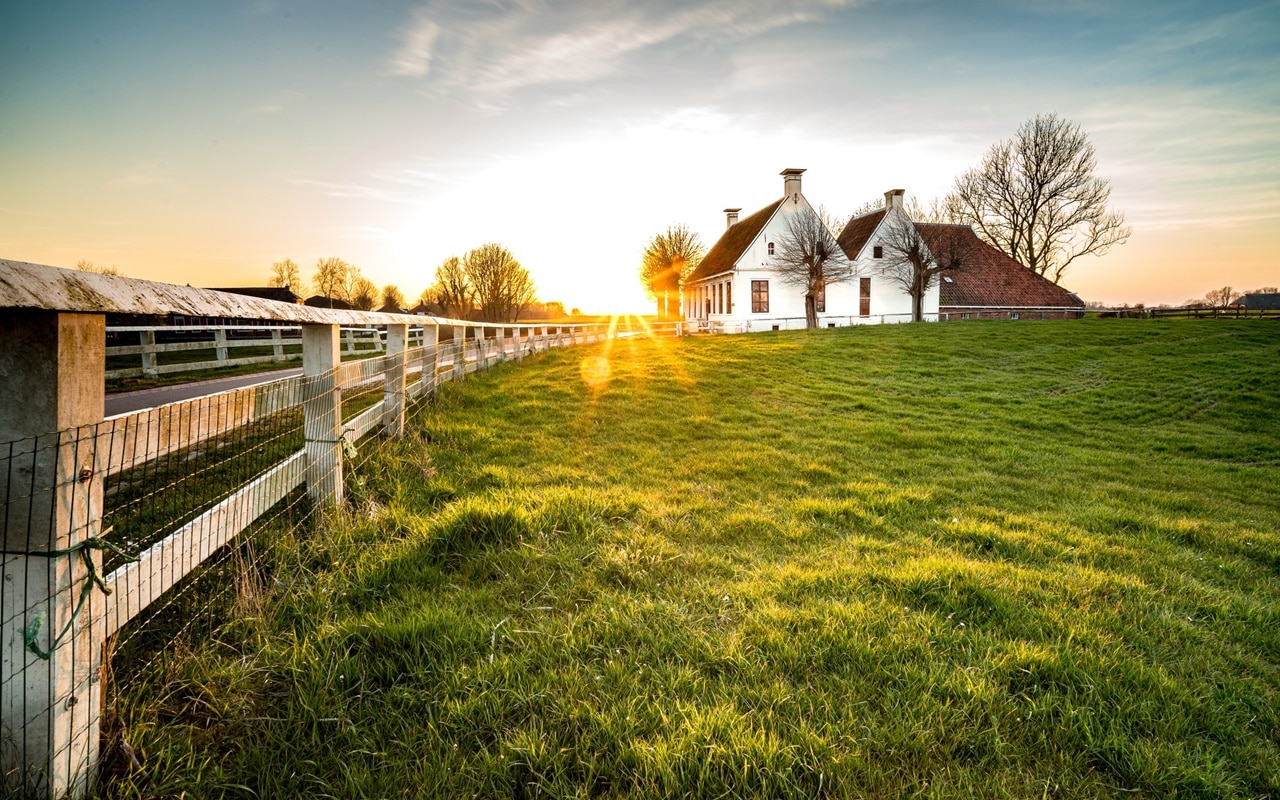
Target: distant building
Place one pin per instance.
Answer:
(320, 301)
(1257, 301)
(738, 281)
(282, 294)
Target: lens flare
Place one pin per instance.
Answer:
(595, 371)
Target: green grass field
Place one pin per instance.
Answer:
(960, 560)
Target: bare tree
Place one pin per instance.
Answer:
(330, 279)
(808, 256)
(916, 256)
(392, 296)
(452, 289)
(1036, 198)
(667, 261)
(286, 274)
(1220, 298)
(503, 288)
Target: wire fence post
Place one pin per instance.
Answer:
(322, 412)
(52, 615)
(393, 381)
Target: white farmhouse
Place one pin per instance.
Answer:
(737, 283)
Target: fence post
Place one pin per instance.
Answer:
(430, 357)
(322, 412)
(393, 381)
(277, 345)
(51, 497)
(500, 336)
(220, 344)
(459, 352)
(148, 341)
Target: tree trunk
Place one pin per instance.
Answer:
(810, 311)
(917, 306)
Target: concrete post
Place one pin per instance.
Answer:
(459, 352)
(277, 345)
(500, 336)
(51, 496)
(393, 381)
(482, 350)
(322, 412)
(220, 344)
(148, 341)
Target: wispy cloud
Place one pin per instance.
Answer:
(531, 43)
(413, 59)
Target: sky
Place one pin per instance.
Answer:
(201, 142)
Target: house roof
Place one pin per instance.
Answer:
(282, 293)
(1258, 300)
(320, 301)
(725, 253)
(993, 278)
(857, 231)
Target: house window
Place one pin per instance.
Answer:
(1013, 315)
(820, 301)
(864, 297)
(719, 298)
(770, 248)
(877, 252)
(759, 297)
(728, 298)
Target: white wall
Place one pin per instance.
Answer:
(889, 302)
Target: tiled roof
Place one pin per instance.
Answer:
(993, 278)
(735, 241)
(857, 231)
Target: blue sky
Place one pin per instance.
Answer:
(197, 143)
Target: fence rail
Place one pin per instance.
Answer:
(106, 523)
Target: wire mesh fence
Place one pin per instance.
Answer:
(127, 538)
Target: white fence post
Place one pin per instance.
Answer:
(322, 412)
(393, 381)
(277, 344)
(50, 402)
(220, 344)
(148, 341)
(459, 352)
(430, 357)
(500, 336)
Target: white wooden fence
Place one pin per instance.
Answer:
(58, 608)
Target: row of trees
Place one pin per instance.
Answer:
(1223, 297)
(1035, 197)
(488, 283)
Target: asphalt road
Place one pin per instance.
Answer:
(128, 402)
(125, 402)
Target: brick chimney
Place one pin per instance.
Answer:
(731, 217)
(791, 182)
(893, 198)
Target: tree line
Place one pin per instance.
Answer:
(487, 283)
(1035, 197)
